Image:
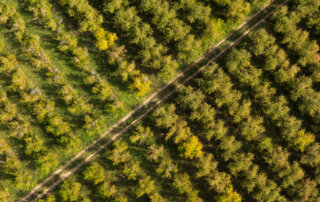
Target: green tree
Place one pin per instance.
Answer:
(165, 116)
(33, 144)
(93, 125)
(132, 169)
(146, 186)
(188, 98)
(143, 135)
(141, 84)
(119, 154)
(50, 198)
(167, 167)
(241, 163)
(24, 180)
(184, 186)
(94, 173)
(70, 190)
(110, 6)
(155, 152)
(4, 193)
(291, 175)
(106, 190)
(312, 155)
(47, 161)
(57, 126)
(229, 195)
(305, 191)
(252, 128)
(191, 148)
(206, 165)
(219, 181)
(229, 146)
(7, 10)
(239, 64)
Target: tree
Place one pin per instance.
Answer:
(4, 148)
(206, 165)
(219, 181)
(165, 116)
(191, 148)
(230, 146)
(251, 175)
(287, 75)
(70, 190)
(184, 186)
(4, 193)
(110, 6)
(241, 163)
(102, 43)
(169, 68)
(94, 173)
(311, 155)
(205, 114)
(43, 109)
(2, 44)
(241, 112)
(239, 64)
(302, 140)
(33, 144)
(57, 126)
(103, 90)
(268, 192)
(7, 10)
(229, 195)
(106, 190)
(305, 191)
(79, 107)
(291, 175)
(68, 93)
(156, 197)
(141, 84)
(8, 111)
(24, 180)
(68, 41)
(188, 98)
(8, 64)
(146, 186)
(261, 40)
(132, 169)
(219, 130)
(179, 132)
(143, 135)
(127, 70)
(93, 125)
(19, 81)
(167, 167)
(189, 48)
(47, 161)
(81, 58)
(11, 166)
(252, 128)
(278, 158)
(50, 198)
(216, 82)
(19, 128)
(155, 152)
(236, 10)
(119, 154)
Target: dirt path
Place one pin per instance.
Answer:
(64, 175)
